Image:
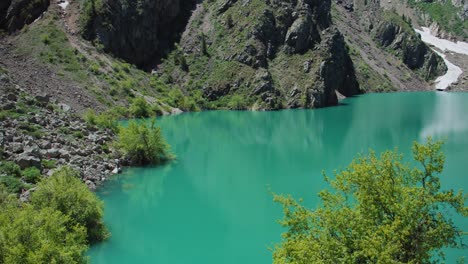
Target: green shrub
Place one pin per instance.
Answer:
(48, 164)
(157, 110)
(12, 184)
(65, 192)
(90, 117)
(78, 134)
(378, 210)
(143, 143)
(32, 236)
(31, 175)
(104, 120)
(45, 39)
(140, 108)
(10, 168)
(237, 102)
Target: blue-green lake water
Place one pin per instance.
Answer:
(213, 204)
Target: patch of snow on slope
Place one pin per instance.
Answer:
(453, 72)
(442, 44)
(451, 76)
(64, 4)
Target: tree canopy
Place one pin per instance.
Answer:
(65, 192)
(143, 143)
(379, 210)
(64, 216)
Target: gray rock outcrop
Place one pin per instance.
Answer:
(14, 14)
(136, 31)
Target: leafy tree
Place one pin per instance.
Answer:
(140, 108)
(66, 193)
(32, 236)
(143, 144)
(379, 211)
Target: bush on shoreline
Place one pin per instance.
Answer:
(63, 217)
(65, 192)
(143, 144)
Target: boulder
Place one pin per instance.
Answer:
(25, 161)
(43, 99)
(12, 97)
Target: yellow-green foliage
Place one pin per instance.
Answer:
(102, 120)
(65, 192)
(31, 236)
(140, 108)
(379, 211)
(55, 227)
(143, 143)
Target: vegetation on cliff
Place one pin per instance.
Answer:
(449, 17)
(379, 210)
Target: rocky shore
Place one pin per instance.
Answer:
(36, 131)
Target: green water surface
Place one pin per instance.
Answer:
(213, 204)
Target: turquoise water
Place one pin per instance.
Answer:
(213, 204)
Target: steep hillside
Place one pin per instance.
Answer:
(139, 32)
(263, 55)
(217, 54)
(48, 57)
(394, 34)
(449, 18)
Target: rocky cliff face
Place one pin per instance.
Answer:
(396, 35)
(136, 31)
(272, 54)
(14, 14)
(409, 47)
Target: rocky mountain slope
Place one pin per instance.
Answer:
(267, 54)
(251, 54)
(38, 132)
(394, 36)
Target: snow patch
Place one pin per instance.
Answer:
(451, 76)
(64, 4)
(443, 44)
(453, 72)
